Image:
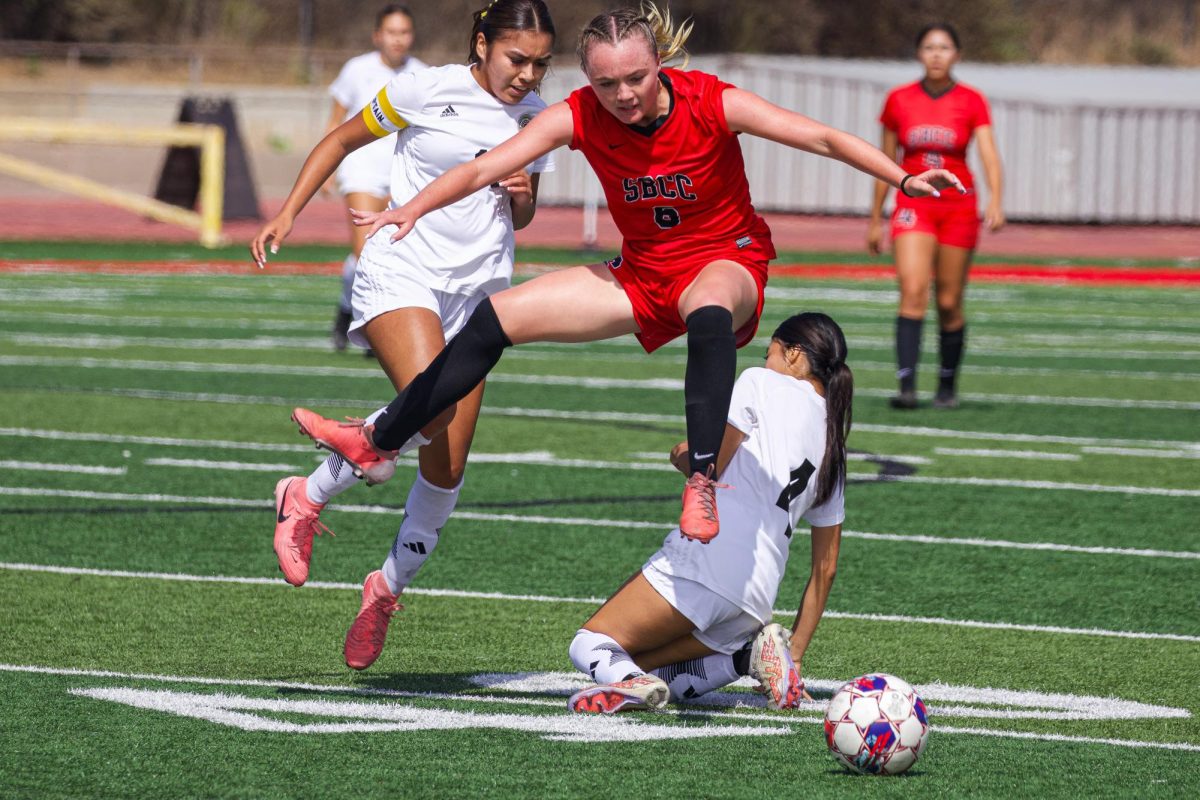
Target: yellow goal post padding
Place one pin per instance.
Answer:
(209, 138)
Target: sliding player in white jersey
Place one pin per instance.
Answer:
(698, 616)
(411, 296)
(362, 177)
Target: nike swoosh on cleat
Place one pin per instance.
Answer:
(280, 516)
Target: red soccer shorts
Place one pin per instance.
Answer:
(655, 295)
(952, 218)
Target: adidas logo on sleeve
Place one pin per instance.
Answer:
(449, 112)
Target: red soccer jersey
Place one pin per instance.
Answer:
(934, 131)
(680, 190)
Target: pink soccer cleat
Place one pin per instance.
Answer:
(642, 692)
(296, 521)
(772, 666)
(364, 640)
(698, 521)
(352, 441)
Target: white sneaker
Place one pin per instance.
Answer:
(642, 692)
(772, 666)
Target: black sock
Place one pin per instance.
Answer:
(708, 383)
(908, 351)
(451, 376)
(951, 344)
(741, 659)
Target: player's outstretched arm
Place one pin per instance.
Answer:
(320, 164)
(826, 540)
(548, 130)
(749, 113)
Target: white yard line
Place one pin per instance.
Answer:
(1155, 491)
(1051, 372)
(355, 587)
(1006, 544)
(593, 522)
(993, 346)
(1191, 449)
(79, 469)
(953, 433)
(645, 384)
(1035, 455)
(232, 466)
(1141, 452)
(95, 341)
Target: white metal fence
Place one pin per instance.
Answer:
(1065, 161)
(1062, 162)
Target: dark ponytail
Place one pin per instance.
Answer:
(824, 345)
(500, 16)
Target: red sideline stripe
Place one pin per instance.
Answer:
(1007, 273)
(246, 267)
(995, 273)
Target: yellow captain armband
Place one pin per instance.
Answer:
(378, 114)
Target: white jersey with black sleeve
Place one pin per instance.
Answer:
(445, 118)
(367, 168)
(773, 481)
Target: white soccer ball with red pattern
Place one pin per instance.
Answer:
(876, 724)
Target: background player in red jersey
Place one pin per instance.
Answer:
(933, 238)
(694, 258)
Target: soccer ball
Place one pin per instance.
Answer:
(876, 724)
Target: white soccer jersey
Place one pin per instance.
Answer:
(445, 118)
(358, 82)
(773, 480)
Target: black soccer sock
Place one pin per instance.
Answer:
(951, 345)
(458, 369)
(908, 351)
(741, 659)
(708, 383)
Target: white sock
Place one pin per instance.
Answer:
(348, 267)
(426, 511)
(600, 657)
(689, 679)
(333, 476)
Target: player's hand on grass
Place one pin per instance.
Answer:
(374, 220)
(930, 181)
(271, 234)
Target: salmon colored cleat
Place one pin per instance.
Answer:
(352, 441)
(296, 522)
(364, 640)
(642, 692)
(699, 519)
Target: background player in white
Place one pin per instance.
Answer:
(413, 295)
(362, 177)
(698, 616)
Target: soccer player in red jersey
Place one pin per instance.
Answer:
(933, 238)
(694, 259)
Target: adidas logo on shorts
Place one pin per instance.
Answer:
(449, 112)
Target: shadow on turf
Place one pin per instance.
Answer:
(417, 682)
